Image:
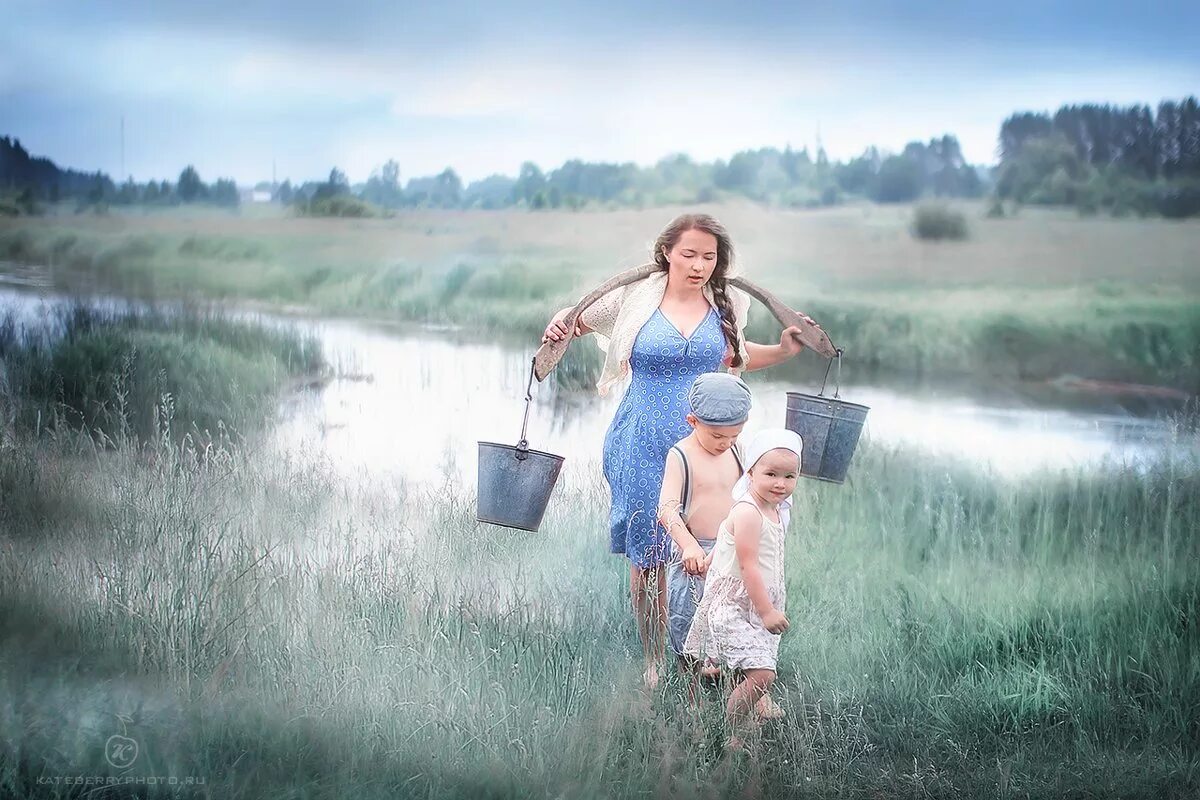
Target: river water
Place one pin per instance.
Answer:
(411, 404)
(419, 404)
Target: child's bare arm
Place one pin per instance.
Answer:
(669, 518)
(747, 531)
(668, 503)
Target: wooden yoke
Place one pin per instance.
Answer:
(550, 353)
(811, 335)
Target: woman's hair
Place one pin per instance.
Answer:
(719, 280)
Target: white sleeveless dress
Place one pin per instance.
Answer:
(726, 628)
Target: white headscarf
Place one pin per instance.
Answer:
(764, 442)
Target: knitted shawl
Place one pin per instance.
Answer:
(618, 316)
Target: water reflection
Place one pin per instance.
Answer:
(412, 405)
(427, 402)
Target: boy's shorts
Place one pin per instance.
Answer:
(681, 604)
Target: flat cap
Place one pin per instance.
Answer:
(719, 399)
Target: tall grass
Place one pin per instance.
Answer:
(282, 633)
(137, 373)
(1103, 332)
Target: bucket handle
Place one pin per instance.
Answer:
(523, 444)
(837, 391)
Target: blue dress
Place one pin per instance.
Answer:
(650, 419)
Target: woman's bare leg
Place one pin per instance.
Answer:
(648, 589)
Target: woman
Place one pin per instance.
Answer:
(666, 329)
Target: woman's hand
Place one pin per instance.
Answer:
(788, 343)
(762, 356)
(775, 621)
(556, 330)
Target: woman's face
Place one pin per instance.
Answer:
(692, 259)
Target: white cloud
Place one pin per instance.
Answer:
(582, 83)
(265, 68)
(487, 109)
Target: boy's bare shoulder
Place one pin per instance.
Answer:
(696, 455)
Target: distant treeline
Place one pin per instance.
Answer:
(1122, 160)
(26, 182)
(31, 179)
(781, 177)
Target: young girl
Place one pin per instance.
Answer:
(741, 617)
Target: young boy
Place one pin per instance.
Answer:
(697, 493)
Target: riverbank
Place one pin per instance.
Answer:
(130, 374)
(1041, 297)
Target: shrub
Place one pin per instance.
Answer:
(341, 205)
(1178, 200)
(1088, 203)
(934, 221)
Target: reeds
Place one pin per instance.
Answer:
(278, 631)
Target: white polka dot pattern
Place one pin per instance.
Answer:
(648, 422)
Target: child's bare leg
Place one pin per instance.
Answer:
(690, 668)
(648, 588)
(767, 708)
(740, 708)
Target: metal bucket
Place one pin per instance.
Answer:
(830, 428)
(515, 485)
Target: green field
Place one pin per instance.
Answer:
(1035, 297)
(263, 624)
(278, 633)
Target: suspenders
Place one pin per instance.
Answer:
(685, 498)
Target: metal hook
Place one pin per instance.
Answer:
(523, 444)
(837, 391)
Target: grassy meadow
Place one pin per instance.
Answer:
(1033, 297)
(258, 624)
(262, 627)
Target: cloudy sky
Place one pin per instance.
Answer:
(233, 86)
